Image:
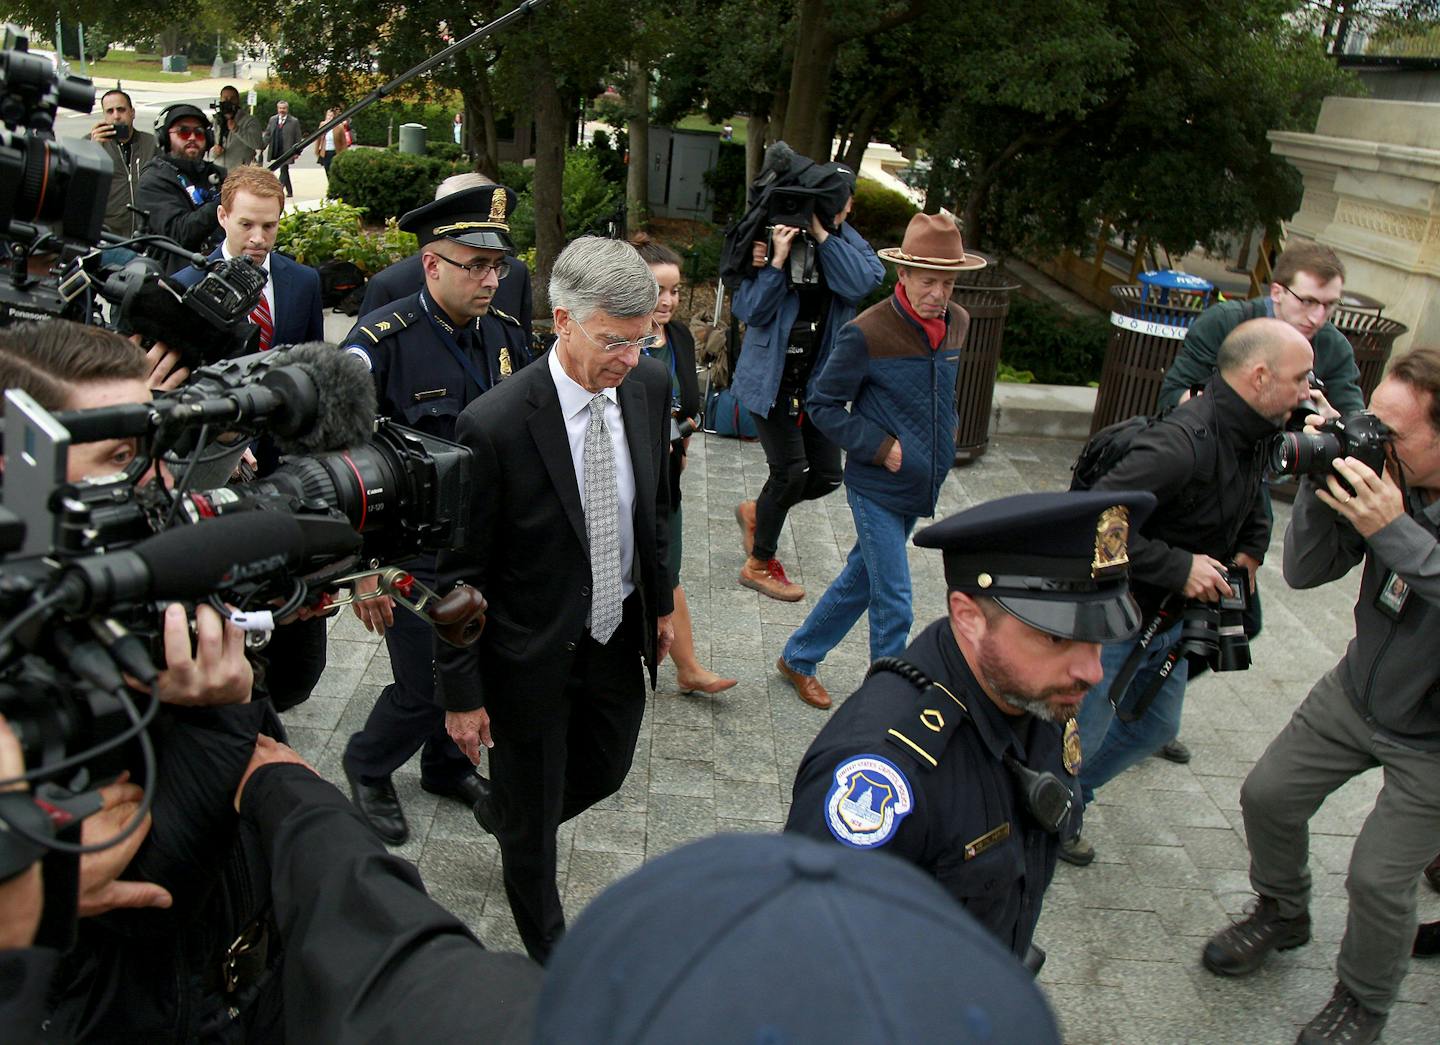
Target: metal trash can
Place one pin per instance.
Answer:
(412, 138)
(985, 294)
(1373, 339)
(1148, 326)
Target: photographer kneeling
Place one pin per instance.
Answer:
(151, 975)
(1377, 707)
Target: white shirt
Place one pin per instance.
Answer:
(329, 141)
(269, 290)
(575, 408)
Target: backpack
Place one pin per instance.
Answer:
(1103, 450)
(337, 279)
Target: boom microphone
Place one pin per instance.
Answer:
(195, 562)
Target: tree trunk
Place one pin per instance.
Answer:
(552, 129)
(862, 125)
(935, 187)
(637, 174)
(805, 112)
(756, 128)
(487, 159)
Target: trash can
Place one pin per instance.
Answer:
(985, 294)
(1373, 339)
(1147, 327)
(412, 138)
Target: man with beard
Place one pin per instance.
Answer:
(962, 757)
(179, 189)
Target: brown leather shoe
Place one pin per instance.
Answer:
(768, 578)
(745, 516)
(1432, 874)
(807, 687)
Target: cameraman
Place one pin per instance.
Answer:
(1204, 463)
(788, 334)
(179, 188)
(129, 149)
(1380, 706)
(240, 137)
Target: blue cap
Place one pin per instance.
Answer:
(1057, 561)
(783, 939)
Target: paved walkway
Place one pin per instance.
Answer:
(1123, 936)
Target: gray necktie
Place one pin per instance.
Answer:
(602, 525)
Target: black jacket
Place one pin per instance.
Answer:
(530, 499)
(682, 345)
(163, 195)
(1204, 463)
(368, 956)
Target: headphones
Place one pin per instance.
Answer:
(173, 112)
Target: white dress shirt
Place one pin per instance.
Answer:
(575, 408)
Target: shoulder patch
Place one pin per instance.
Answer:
(505, 316)
(357, 350)
(869, 798)
(1070, 749)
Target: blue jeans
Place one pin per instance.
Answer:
(1110, 746)
(876, 576)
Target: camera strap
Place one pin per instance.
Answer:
(1163, 619)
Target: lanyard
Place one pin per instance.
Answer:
(674, 377)
(447, 338)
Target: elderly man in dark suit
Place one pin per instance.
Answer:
(568, 544)
(282, 133)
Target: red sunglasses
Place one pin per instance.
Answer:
(188, 132)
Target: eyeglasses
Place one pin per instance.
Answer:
(188, 131)
(644, 344)
(478, 269)
(1313, 303)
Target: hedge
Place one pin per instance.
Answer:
(386, 184)
(1056, 347)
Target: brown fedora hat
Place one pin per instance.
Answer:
(932, 241)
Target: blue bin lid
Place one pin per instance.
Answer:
(1169, 279)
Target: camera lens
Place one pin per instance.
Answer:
(1303, 453)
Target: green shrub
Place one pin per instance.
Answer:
(446, 150)
(386, 184)
(516, 177)
(371, 126)
(1053, 345)
(334, 232)
(880, 214)
(588, 200)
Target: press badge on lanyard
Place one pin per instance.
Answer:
(1394, 593)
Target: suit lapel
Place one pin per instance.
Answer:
(281, 288)
(635, 412)
(547, 428)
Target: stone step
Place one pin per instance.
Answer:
(1057, 411)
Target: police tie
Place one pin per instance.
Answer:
(262, 319)
(602, 525)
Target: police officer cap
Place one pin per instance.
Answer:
(1057, 561)
(701, 945)
(478, 217)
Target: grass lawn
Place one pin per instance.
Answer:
(700, 123)
(127, 65)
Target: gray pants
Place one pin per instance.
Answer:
(1326, 743)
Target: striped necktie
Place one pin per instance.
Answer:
(261, 318)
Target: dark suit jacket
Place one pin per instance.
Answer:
(299, 316)
(407, 276)
(289, 135)
(526, 549)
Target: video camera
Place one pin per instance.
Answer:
(52, 200)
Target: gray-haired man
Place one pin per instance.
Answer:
(567, 541)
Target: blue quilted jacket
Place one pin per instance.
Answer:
(768, 307)
(897, 388)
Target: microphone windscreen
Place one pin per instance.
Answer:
(345, 417)
(193, 562)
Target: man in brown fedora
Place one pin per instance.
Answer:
(894, 367)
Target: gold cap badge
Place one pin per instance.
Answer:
(1112, 543)
(497, 207)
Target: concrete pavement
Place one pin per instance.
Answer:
(1124, 935)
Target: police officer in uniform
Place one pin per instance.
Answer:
(431, 354)
(962, 756)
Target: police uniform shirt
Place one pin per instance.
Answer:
(419, 382)
(921, 777)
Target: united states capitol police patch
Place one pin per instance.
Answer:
(867, 802)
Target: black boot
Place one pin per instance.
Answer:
(1243, 948)
(1343, 1019)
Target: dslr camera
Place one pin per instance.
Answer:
(1215, 632)
(1362, 436)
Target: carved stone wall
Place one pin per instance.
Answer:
(1371, 172)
